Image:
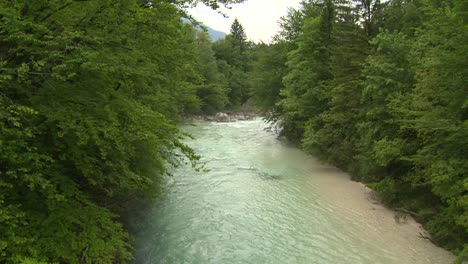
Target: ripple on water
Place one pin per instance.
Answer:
(265, 202)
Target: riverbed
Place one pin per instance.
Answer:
(263, 201)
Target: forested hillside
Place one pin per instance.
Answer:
(89, 99)
(378, 88)
(91, 92)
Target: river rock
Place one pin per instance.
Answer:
(222, 117)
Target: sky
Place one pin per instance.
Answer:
(258, 17)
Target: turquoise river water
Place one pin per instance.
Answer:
(266, 202)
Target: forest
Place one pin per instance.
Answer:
(379, 90)
(92, 92)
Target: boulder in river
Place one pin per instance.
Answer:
(222, 117)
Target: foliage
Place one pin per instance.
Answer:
(90, 93)
(388, 105)
(266, 75)
(232, 55)
(211, 88)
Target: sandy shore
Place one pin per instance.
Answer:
(377, 222)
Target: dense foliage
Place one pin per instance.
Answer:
(90, 93)
(379, 89)
(233, 58)
(91, 90)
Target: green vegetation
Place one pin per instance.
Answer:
(91, 92)
(379, 89)
(233, 59)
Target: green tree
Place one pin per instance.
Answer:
(308, 70)
(90, 93)
(387, 105)
(436, 113)
(402, 16)
(269, 67)
(211, 89)
(388, 74)
(330, 134)
(233, 58)
(238, 36)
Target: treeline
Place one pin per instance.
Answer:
(379, 89)
(90, 93)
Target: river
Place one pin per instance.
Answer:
(266, 202)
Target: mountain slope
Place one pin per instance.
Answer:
(215, 34)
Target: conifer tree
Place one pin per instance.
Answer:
(378, 89)
(238, 36)
(234, 62)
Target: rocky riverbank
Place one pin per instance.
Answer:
(224, 117)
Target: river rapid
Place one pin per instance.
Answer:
(266, 202)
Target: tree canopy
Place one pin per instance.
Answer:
(91, 92)
(379, 89)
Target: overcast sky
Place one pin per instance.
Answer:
(258, 17)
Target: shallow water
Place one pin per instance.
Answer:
(265, 202)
